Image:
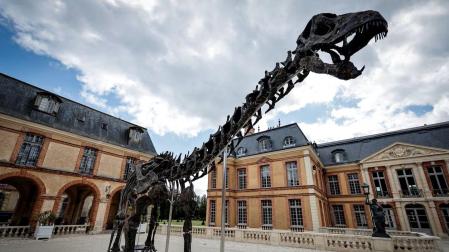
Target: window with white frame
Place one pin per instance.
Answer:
(135, 134)
(292, 173)
(242, 178)
(227, 178)
(380, 184)
(267, 214)
(241, 213)
(360, 216)
(339, 156)
(338, 215)
(389, 217)
(30, 150)
(213, 179)
(88, 161)
(212, 214)
(47, 103)
(438, 180)
(226, 212)
(241, 151)
(295, 213)
(289, 142)
(354, 184)
(334, 185)
(264, 144)
(265, 177)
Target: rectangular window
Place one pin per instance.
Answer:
(339, 215)
(267, 214)
(227, 178)
(389, 217)
(212, 213)
(360, 216)
(241, 213)
(213, 178)
(30, 150)
(292, 174)
(438, 181)
(407, 183)
(295, 213)
(226, 212)
(88, 161)
(129, 168)
(242, 178)
(334, 186)
(380, 185)
(265, 177)
(354, 184)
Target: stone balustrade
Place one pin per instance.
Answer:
(14, 231)
(331, 239)
(70, 229)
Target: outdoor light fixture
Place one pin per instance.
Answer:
(365, 188)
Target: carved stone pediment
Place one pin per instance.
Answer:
(264, 160)
(401, 150)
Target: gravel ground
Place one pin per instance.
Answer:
(99, 243)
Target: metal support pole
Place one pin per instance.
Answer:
(167, 239)
(223, 200)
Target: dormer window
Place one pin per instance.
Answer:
(47, 102)
(339, 156)
(264, 143)
(289, 142)
(241, 151)
(135, 134)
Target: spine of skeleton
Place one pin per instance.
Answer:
(270, 89)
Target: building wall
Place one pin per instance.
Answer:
(316, 199)
(57, 168)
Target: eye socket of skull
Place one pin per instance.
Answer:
(323, 28)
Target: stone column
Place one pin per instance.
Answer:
(99, 220)
(421, 180)
(434, 221)
(393, 181)
(402, 216)
(312, 198)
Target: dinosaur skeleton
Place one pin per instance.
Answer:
(340, 36)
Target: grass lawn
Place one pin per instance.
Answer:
(176, 222)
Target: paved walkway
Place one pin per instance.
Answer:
(99, 243)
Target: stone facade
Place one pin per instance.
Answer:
(406, 171)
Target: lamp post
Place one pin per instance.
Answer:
(365, 188)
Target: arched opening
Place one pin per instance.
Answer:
(417, 218)
(18, 198)
(113, 208)
(76, 205)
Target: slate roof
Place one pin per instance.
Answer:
(17, 100)
(434, 135)
(276, 136)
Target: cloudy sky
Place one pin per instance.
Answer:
(179, 67)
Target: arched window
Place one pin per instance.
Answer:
(339, 156)
(47, 102)
(264, 143)
(289, 142)
(241, 151)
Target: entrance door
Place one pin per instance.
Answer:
(417, 218)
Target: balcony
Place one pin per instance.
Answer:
(411, 193)
(297, 228)
(383, 195)
(440, 192)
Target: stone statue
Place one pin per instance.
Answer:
(324, 32)
(378, 219)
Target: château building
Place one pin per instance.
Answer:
(278, 179)
(62, 156)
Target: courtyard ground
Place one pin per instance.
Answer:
(99, 243)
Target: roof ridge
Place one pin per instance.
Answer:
(388, 133)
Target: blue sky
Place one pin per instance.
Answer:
(179, 69)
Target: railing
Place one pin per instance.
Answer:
(70, 229)
(440, 192)
(14, 231)
(267, 227)
(383, 195)
(297, 228)
(332, 239)
(241, 226)
(411, 193)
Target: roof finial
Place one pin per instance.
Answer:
(258, 128)
(279, 122)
